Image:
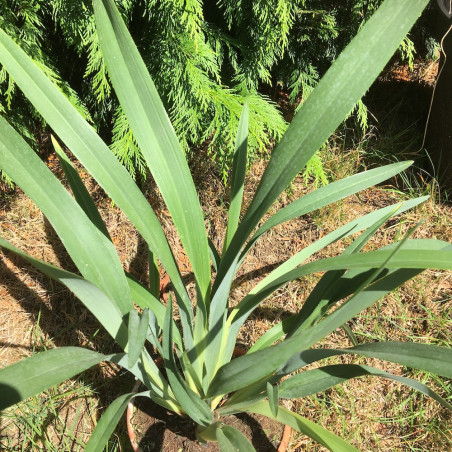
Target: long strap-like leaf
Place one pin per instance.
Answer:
(106, 312)
(94, 154)
(79, 190)
(238, 176)
(191, 402)
(92, 252)
(101, 306)
(42, 371)
(305, 426)
(155, 135)
(252, 367)
(328, 194)
(339, 90)
(231, 440)
(318, 380)
(107, 423)
(258, 293)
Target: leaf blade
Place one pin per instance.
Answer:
(155, 135)
(326, 107)
(39, 372)
(79, 190)
(192, 404)
(230, 439)
(305, 426)
(238, 176)
(89, 248)
(107, 423)
(318, 380)
(138, 325)
(95, 156)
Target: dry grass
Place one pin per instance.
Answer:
(373, 414)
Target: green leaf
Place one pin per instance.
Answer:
(263, 289)
(94, 155)
(429, 358)
(147, 371)
(351, 335)
(238, 176)
(318, 380)
(154, 274)
(107, 423)
(231, 440)
(224, 443)
(334, 97)
(318, 298)
(283, 346)
(219, 301)
(42, 371)
(79, 190)
(247, 369)
(330, 193)
(102, 307)
(144, 299)
(273, 398)
(214, 255)
(138, 326)
(440, 259)
(92, 252)
(191, 403)
(155, 136)
(305, 426)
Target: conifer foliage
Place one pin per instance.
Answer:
(205, 57)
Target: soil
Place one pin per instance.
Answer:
(160, 430)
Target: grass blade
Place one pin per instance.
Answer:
(155, 136)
